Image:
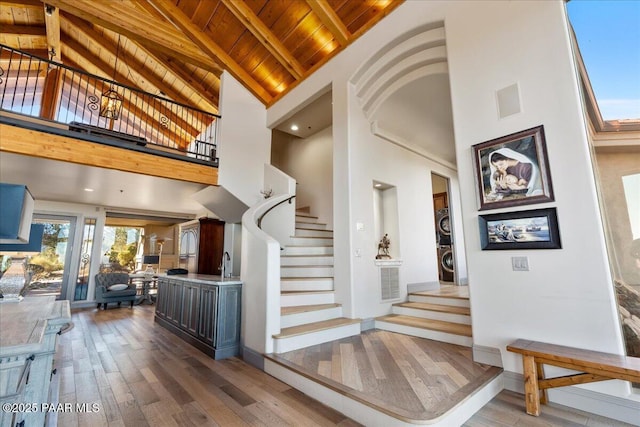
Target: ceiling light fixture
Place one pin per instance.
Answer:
(378, 185)
(111, 101)
(294, 127)
(88, 189)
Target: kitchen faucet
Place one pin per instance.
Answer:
(223, 266)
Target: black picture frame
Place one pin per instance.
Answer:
(530, 229)
(525, 154)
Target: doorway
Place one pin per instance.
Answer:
(444, 235)
(54, 261)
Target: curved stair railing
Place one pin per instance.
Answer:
(262, 238)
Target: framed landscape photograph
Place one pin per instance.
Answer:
(533, 229)
(513, 170)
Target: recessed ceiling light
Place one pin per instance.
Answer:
(88, 189)
(378, 185)
(294, 127)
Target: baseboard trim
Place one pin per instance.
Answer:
(367, 324)
(605, 405)
(487, 355)
(252, 357)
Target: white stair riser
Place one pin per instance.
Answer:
(303, 232)
(295, 299)
(297, 271)
(286, 261)
(307, 250)
(433, 315)
(282, 345)
(297, 319)
(310, 241)
(455, 302)
(425, 333)
(325, 284)
(313, 225)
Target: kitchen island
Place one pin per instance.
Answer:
(29, 332)
(203, 310)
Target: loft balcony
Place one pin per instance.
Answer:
(54, 111)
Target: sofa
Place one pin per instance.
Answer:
(108, 291)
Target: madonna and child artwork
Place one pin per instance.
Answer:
(513, 170)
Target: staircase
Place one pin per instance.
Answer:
(440, 315)
(309, 313)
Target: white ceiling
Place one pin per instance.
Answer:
(66, 182)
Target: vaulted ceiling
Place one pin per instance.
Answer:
(179, 48)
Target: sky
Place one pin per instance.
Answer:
(608, 33)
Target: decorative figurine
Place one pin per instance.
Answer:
(383, 248)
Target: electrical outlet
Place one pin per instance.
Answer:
(358, 252)
(359, 226)
(520, 263)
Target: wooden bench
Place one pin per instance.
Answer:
(594, 365)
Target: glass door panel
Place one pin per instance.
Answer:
(53, 274)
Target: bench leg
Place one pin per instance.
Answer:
(544, 399)
(531, 391)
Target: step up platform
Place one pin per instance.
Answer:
(445, 313)
(381, 378)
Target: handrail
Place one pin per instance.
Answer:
(259, 222)
(146, 119)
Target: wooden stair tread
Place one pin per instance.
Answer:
(305, 256)
(297, 279)
(313, 229)
(315, 327)
(457, 292)
(304, 215)
(435, 307)
(434, 325)
(312, 237)
(307, 266)
(306, 308)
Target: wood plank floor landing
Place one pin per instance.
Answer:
(409, 378)
(139, 374)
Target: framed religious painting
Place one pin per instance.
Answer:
(513, 170)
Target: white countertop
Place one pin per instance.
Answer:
(22, 324)
(205, 278)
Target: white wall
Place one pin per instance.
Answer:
(244, 142)
(567, 297)
(309, 161)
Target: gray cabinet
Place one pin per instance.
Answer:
(202, 311)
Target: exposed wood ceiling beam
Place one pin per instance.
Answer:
(105, 70)
(24, 30)
(182, 21)
(331, 20)
(179, 71)
(146, 30)
(52, 22)
(131, 61)
(21, 3)
(265, 36)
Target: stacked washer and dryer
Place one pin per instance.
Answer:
(445, 247)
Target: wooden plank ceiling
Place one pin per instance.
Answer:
(179, 48)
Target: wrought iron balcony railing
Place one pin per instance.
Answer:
(87, 103)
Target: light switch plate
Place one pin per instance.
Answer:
(520, 263)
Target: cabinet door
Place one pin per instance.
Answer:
(189, 240)
(161, 297)
(190, 304)
(174, 301)
(211, 246)
(208, 314)
(228, 323)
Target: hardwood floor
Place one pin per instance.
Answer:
(139, 374)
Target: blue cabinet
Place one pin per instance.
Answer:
(203, 312)
(16, 213)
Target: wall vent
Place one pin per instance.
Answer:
(389, 283)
